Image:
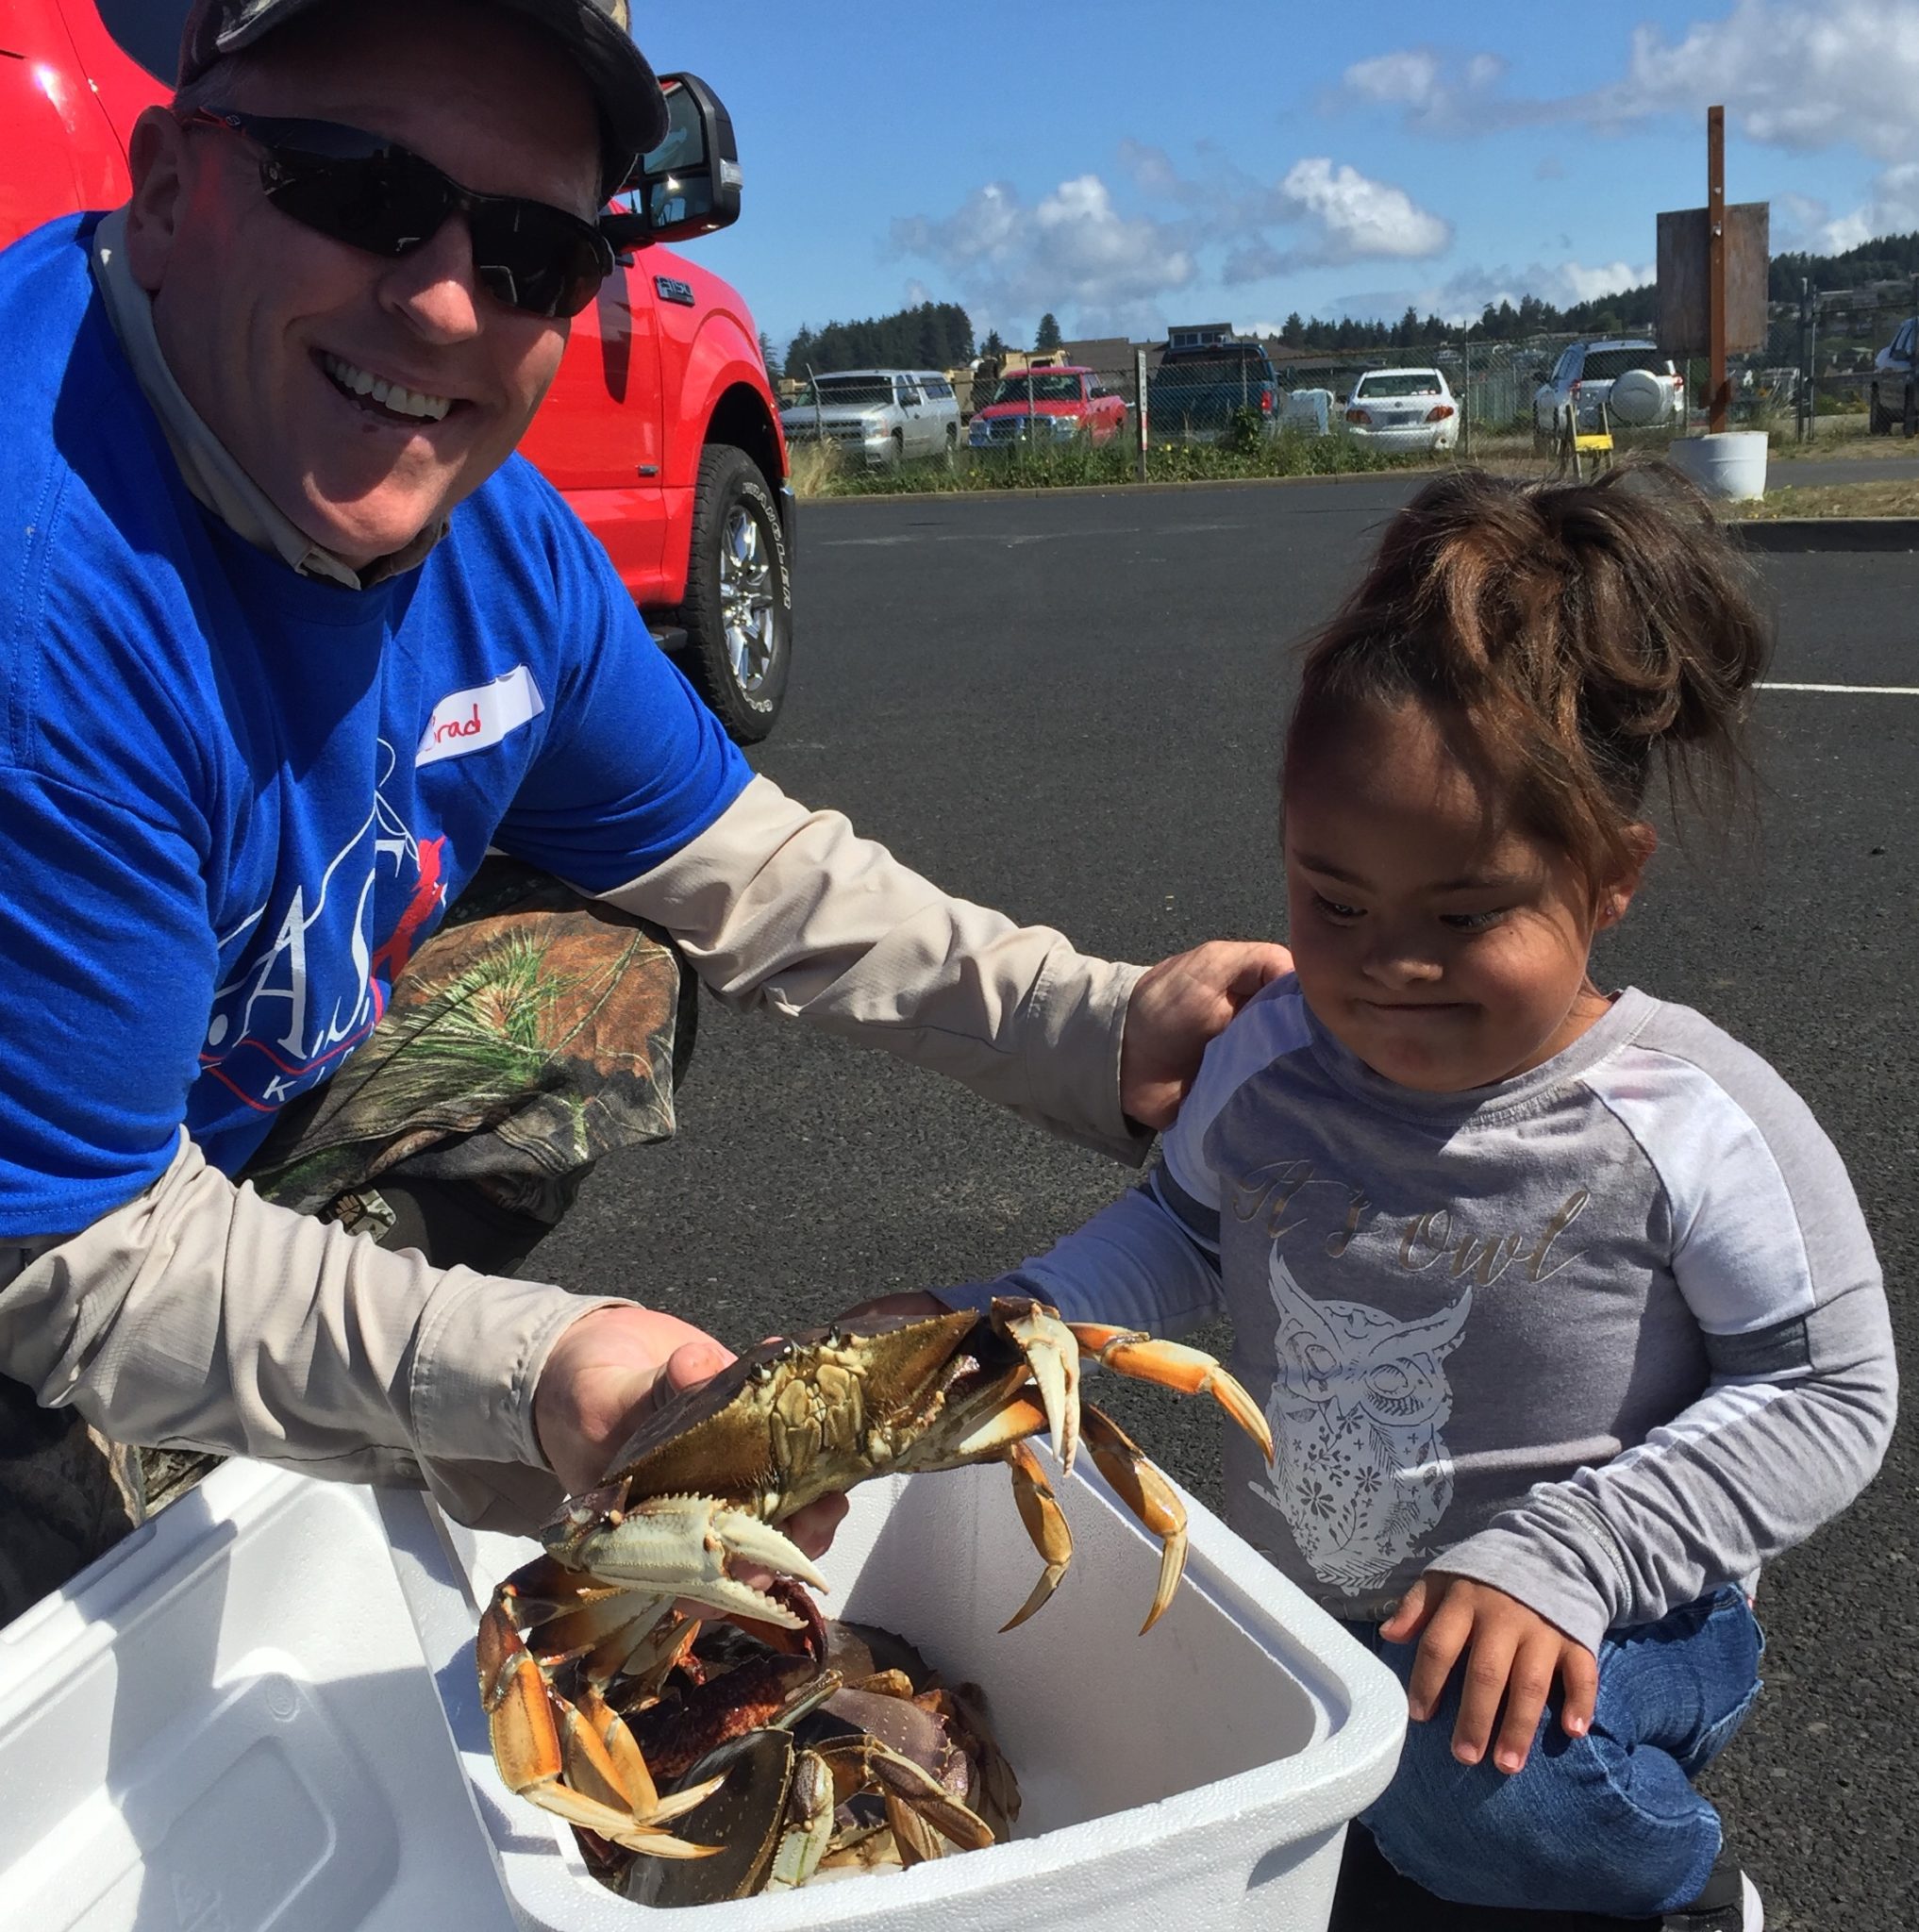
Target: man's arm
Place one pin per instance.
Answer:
(780, 906)
(198, 1315)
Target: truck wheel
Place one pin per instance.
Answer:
(737, 611)
(1909, 423)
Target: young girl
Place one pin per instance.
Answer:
(1560, 1301)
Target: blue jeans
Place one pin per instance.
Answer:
(1609, 1822)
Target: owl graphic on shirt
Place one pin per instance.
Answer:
(1360, 1399)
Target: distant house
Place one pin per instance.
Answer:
(1199, 335)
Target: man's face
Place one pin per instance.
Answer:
(267, 325)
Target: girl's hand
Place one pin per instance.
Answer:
(1512, 1654)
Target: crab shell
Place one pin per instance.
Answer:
(797, 1419)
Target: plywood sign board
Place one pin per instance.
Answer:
(1683, 328)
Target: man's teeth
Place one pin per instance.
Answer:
(403, 402)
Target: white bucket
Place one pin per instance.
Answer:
(1731, 464)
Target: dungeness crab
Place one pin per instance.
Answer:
(706, 1481)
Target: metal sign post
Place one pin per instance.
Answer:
(1717, 394)
(1140, 413)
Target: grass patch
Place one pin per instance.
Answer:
(1882, 496)
(821, 471)
(1844, 439)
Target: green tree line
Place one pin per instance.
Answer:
(935, 335)
(1884, 259)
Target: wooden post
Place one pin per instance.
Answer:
(1717, 393)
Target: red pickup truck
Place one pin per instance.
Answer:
(1047, 407)
(660, 429)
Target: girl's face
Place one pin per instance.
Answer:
(1442, 944)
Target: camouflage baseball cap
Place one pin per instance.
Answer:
(594, 32)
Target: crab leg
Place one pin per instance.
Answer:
(549, 1752)
(1171, 1365)
(1147, 1494)
(1053, 1356)
(858, 1762)
(1045, 1524)
(809, 1827)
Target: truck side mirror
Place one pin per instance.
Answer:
(690, 184)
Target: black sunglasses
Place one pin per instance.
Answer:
(373, 193)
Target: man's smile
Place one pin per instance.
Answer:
(381, 393)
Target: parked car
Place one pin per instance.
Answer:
(1194, 394)
(659, 429)
(1048, 407)
(1893, 396)
(1403, 408)
(882, 415)
(1583, 376)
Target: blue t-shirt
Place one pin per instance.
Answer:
(234, 799)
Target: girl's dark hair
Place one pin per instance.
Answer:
(1564, 635)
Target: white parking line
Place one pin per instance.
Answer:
(1856, 690)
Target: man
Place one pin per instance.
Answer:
(267, 538)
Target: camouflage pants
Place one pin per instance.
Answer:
(533, 1034)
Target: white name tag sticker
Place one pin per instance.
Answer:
(471, 720)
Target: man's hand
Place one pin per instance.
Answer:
(1512, 1652)
(1176, 1009)
(603, 1377)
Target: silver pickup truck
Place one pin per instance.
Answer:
(883, 416)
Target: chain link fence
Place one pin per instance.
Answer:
(1821, 371)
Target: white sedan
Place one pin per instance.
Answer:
(1403, 408)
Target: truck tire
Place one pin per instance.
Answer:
(737, 612)
(1910, 418)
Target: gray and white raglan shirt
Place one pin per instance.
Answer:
(1606, 1335)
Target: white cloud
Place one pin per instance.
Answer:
(1073, 252)
(1800, 75)
(1791, 74)
(1356, 217)
(1892, 208)
(1439, 94)
(1410, 77)
(1582, 284)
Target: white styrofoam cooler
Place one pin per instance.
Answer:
(228, 1723)
(262, 1712)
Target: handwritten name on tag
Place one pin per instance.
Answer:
(471, 720)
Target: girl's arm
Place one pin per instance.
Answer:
(1138, 1264)
(1151, 1261)
(1772, 1256)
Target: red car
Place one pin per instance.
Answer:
(660, 429)
(1042, 408)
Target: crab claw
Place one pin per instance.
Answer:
(1171, 1365)
(1053, 1356)
(1045, 1524)
(1147, 1494)
(681, 1546)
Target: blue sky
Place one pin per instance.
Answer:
(1127, 165)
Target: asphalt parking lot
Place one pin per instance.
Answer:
(1068, 708)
